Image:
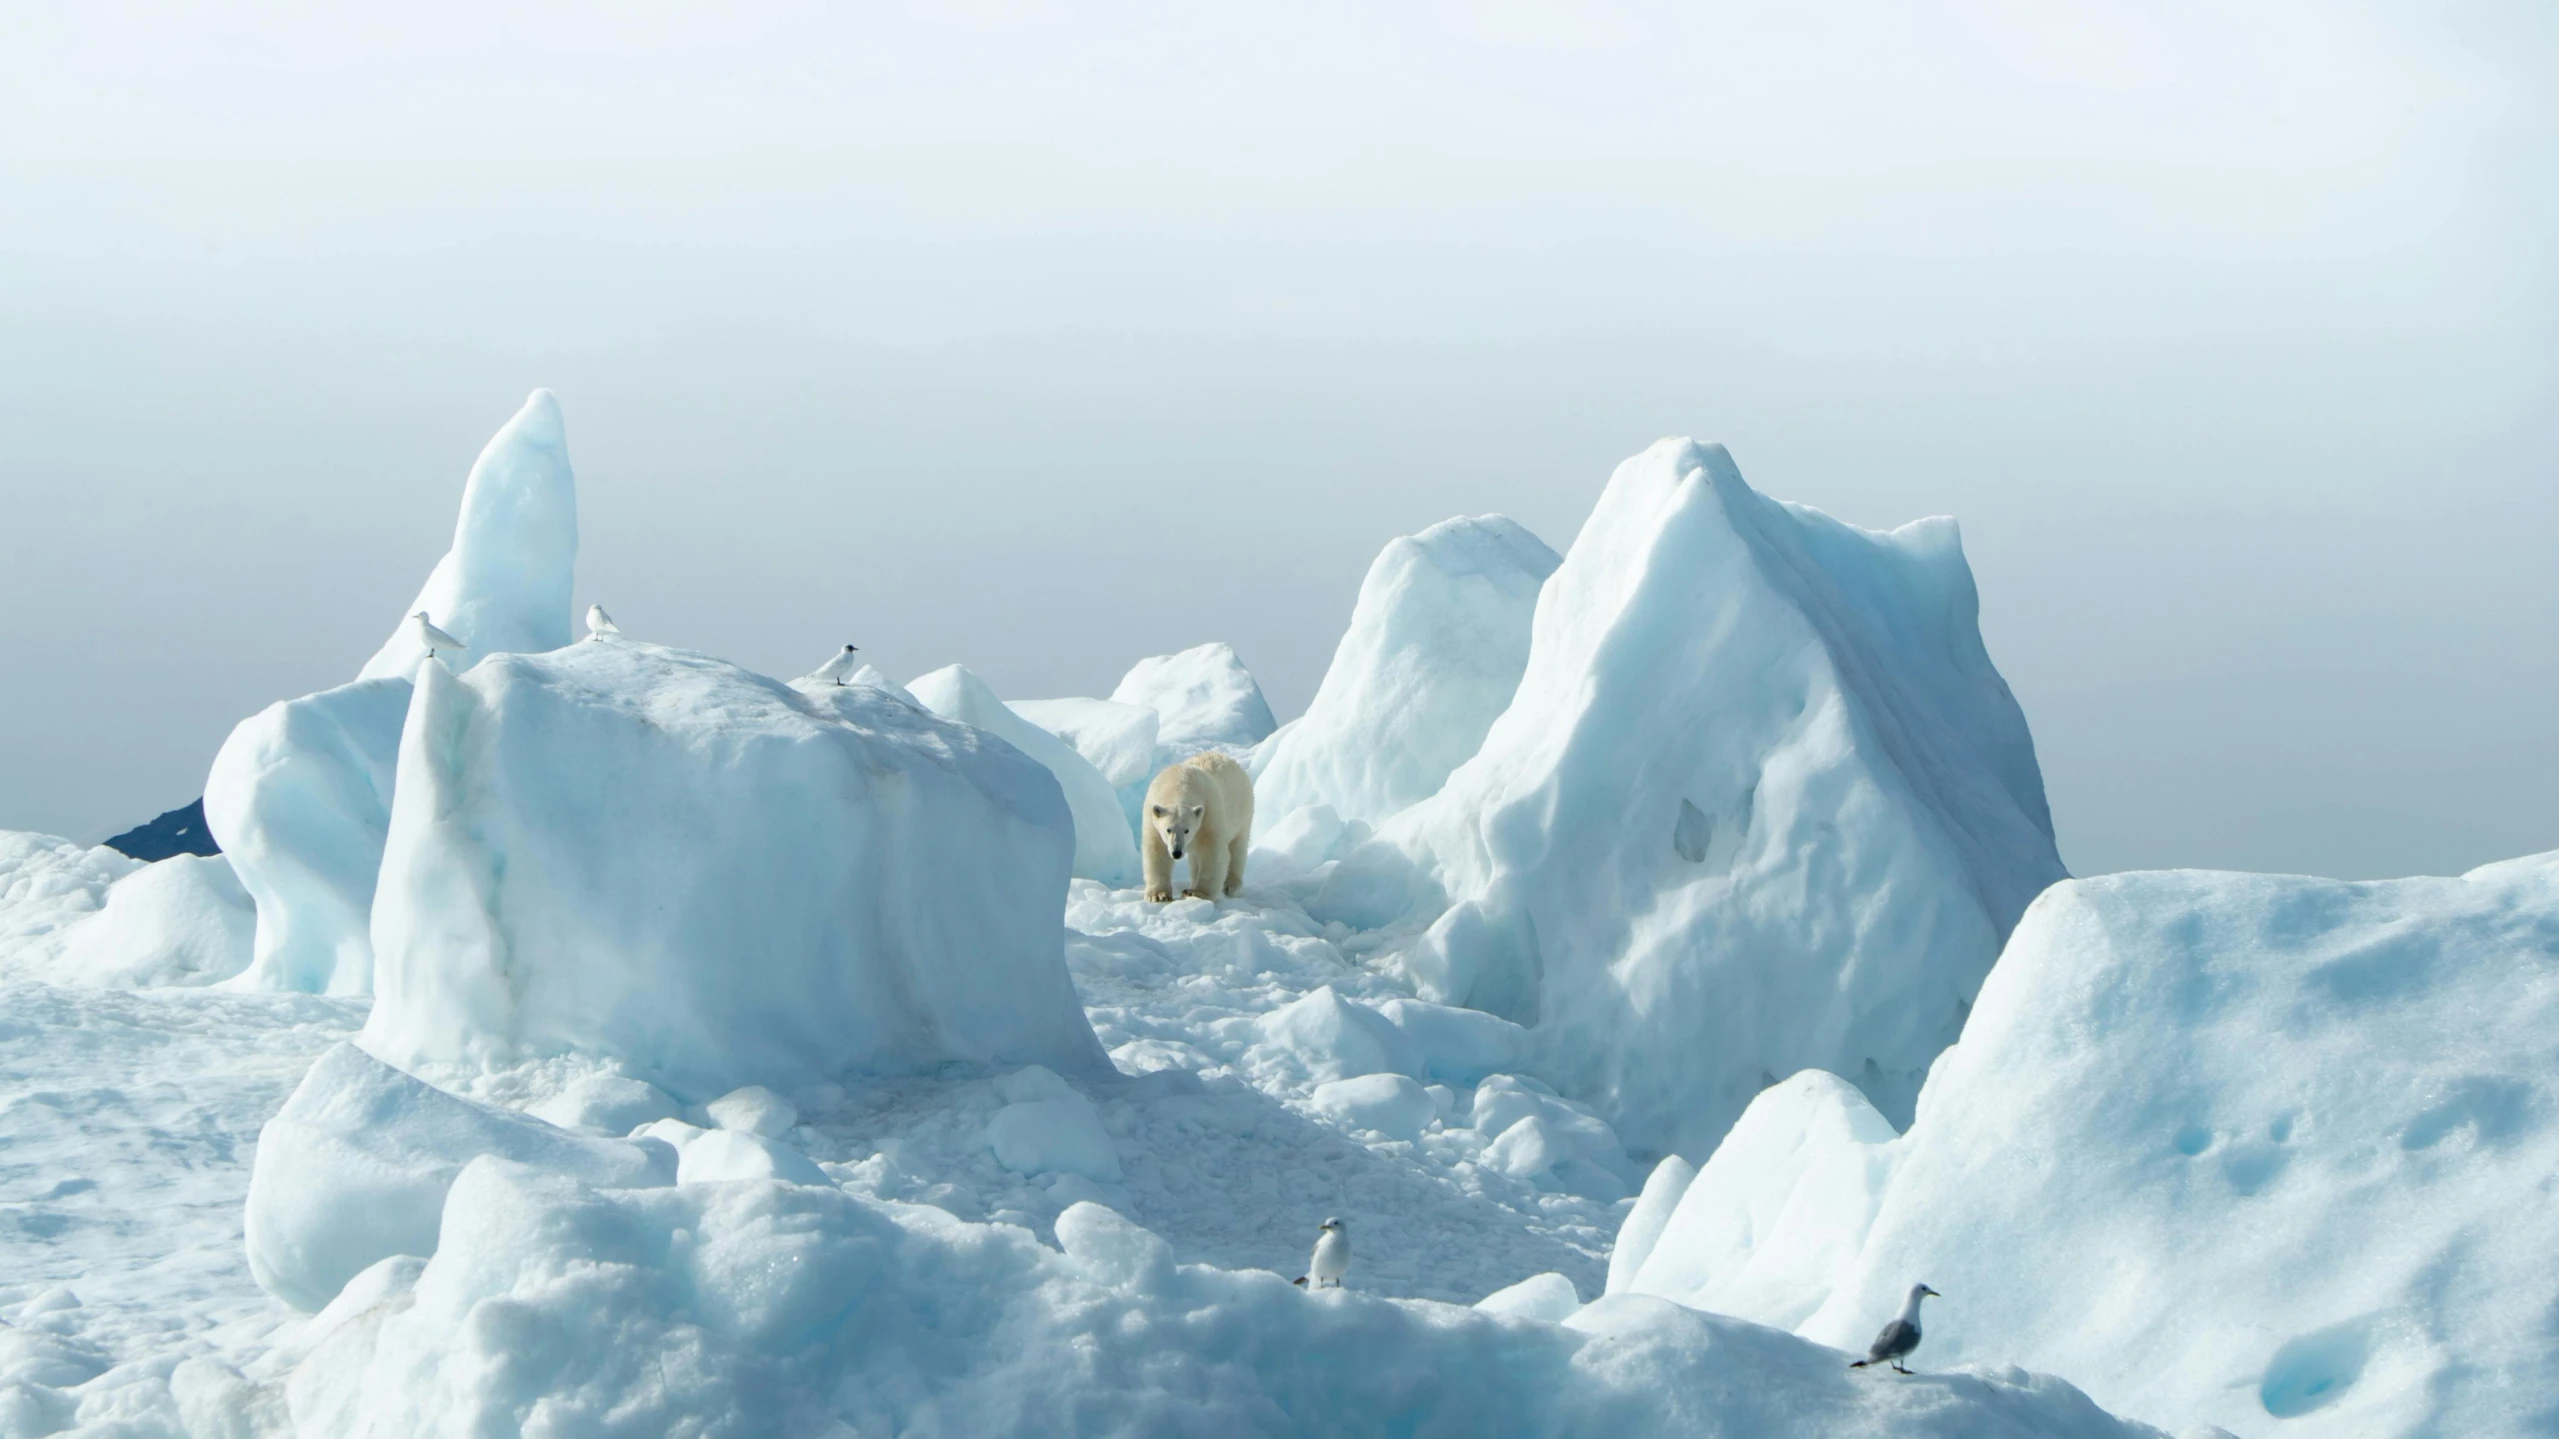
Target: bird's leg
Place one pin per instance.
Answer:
(1897, 1369)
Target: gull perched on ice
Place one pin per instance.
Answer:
(839, 668)
(1332, 1256)
(1901, 1336)
(424, 632)
(600, 626)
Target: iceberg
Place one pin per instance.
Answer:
(1203, 696)
(504, 586)
(1117, 739)
(1760, 804)
(2255, 1151)
(1105, 846)
(1434, 653)
(650, 856)
(300, 799)
(300, 793)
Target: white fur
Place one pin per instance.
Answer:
(1200, 810)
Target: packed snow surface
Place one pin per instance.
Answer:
(1105, 847)
(504, 586)
(2270, 1153)
(1434, 652)
(647, 855)
(1761, 804)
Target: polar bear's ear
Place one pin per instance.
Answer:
(1197, 810)
(1159, 811)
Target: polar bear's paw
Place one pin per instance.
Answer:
(1159, 896)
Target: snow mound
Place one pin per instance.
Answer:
(1772, 1223)
(1105, 846)
(1117, 739)
(182, 921)
(300, 800)
(1434, 653)
(1761, 804)
(1326, 1037)
(1548, 1298)
(648, 856)
(2227, 1149)
(355, 1167)
(48, 887)
(766, 1308)
(1203, 696)
(504, 586)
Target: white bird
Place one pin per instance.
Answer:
(599, 625)
(1901, 1336)
(839, 668)
(1332, 1256)
(424, 632)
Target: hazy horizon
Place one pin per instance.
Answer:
(2228, 339)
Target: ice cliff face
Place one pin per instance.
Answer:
(651, 856)
(1761, 803)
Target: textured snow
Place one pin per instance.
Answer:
(769, 1308)
(1873, 820)
(300, 800)
(1203, 696)
(181, 920)
(354, 1169)
(792, 884)
(2255, 1151)
(1434, 653)
(1105, 845)
(504, 586)
(49, 885)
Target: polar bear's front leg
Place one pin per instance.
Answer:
(1159, 868)
(1208, 872)
(1235, 864)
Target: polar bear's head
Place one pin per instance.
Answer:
(1174, 824)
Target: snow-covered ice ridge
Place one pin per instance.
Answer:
(602, 1038)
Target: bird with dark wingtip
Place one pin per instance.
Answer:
(1901, 1336)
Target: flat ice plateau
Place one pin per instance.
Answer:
(1641, 952)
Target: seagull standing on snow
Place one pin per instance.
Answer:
(839, 668)
(1332, 1256)
(600, 626)
(424, 632)
(1901, 1336)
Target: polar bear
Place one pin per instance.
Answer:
(1202, 807)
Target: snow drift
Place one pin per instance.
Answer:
(1761, 804)
(1105, 848)
(1434, 653)
(652, 856)
(504, 586)
(183, 920)
(2229, 1149)
(354, 1170)
(49, 886)
(765, 1308)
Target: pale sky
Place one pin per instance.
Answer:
(1042, 335)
